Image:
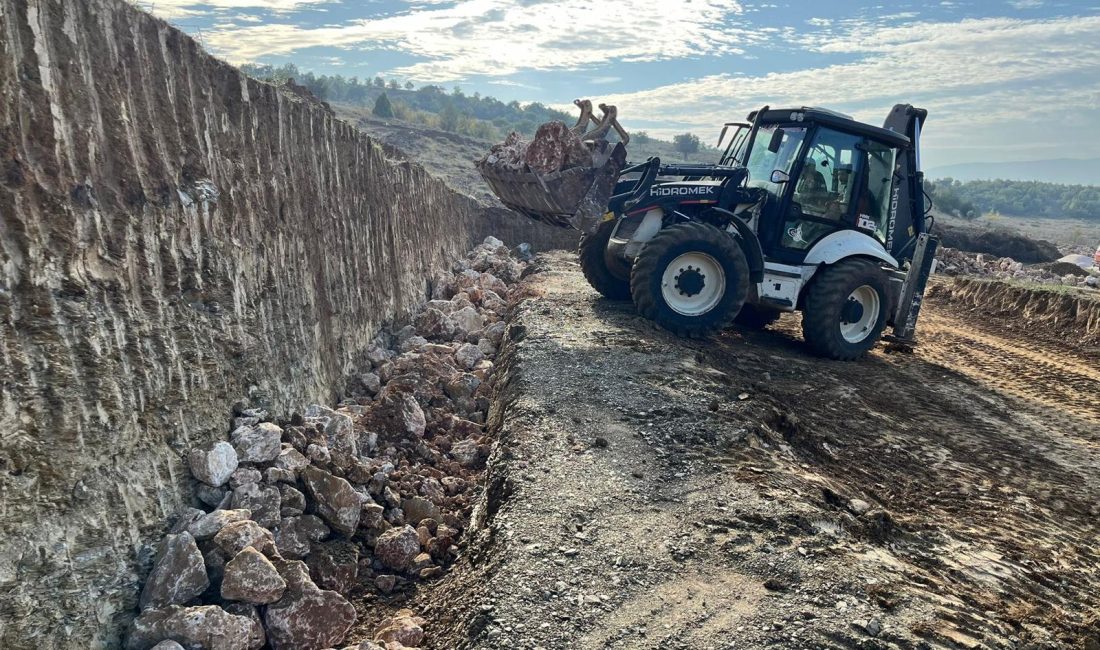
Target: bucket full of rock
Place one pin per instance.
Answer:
(565, 175)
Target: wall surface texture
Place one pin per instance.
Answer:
(173, 236)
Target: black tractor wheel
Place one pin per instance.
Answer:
(602, 273)
(691, 279)
(845, 310)
(755, 317)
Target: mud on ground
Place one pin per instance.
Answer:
(652, 492)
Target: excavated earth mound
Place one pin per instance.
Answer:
(1071, 315)
(999, 242)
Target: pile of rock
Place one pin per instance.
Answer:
(955, 262)
(370, 496)
(555, 147)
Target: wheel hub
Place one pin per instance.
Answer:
(860, 314)
(852, 312)
(693, 283)
(690, 281)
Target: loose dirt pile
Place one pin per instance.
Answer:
(301, 514)
(955, 262)
(999, 242)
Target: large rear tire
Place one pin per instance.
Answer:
(846, 309)
(691, 279)
(596, 265)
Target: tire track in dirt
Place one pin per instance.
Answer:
(1033, 371)
(982, 447)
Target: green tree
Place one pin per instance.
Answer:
(382, 107)
(449, 119)
(686, 143)
(379, 82)
(641, 137)
(409, 85)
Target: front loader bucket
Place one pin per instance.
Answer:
(570, 198)
(565, 175)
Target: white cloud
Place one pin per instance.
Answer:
(499, 37)
(976, 72)
(174, 9)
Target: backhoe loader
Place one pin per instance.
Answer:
(807, 209)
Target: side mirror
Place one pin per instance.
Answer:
(776, 141)
(780, 176)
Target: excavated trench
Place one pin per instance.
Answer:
(175, 236)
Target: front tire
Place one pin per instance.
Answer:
(690, 279)
(846, 309)
(596, 267)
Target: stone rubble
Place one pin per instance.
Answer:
(554, 148)
(372, 496)
(950, 261)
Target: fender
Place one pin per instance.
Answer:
(847, 243)
(750, 243)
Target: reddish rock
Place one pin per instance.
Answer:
(178, 575)
(397, 547)
(404, 627)
(336, 501)
(250, 577)
(434, 324)
(234, 537)
(310, 619)
(208, 627)
(334, 565)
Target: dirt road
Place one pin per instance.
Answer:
(652, 492)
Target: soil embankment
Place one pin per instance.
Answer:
(174, 236)
(1070, 316)
(653, 492)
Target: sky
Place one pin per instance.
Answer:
(1008, 80)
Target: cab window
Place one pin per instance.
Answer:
(824, 187)
(763, 161)
(874, 213)
(821, 197)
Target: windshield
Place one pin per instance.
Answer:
(763, 161)
(735, 150)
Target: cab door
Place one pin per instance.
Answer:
(818, 199)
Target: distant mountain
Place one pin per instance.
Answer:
(1067, 171)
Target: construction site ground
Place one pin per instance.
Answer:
(655, 492)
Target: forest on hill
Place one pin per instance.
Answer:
(971, 199)
(474, 115)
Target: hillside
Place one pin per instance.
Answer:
(450, 156)
(1085, 171)
(1015, 198)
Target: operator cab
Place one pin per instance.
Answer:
(823, 173)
